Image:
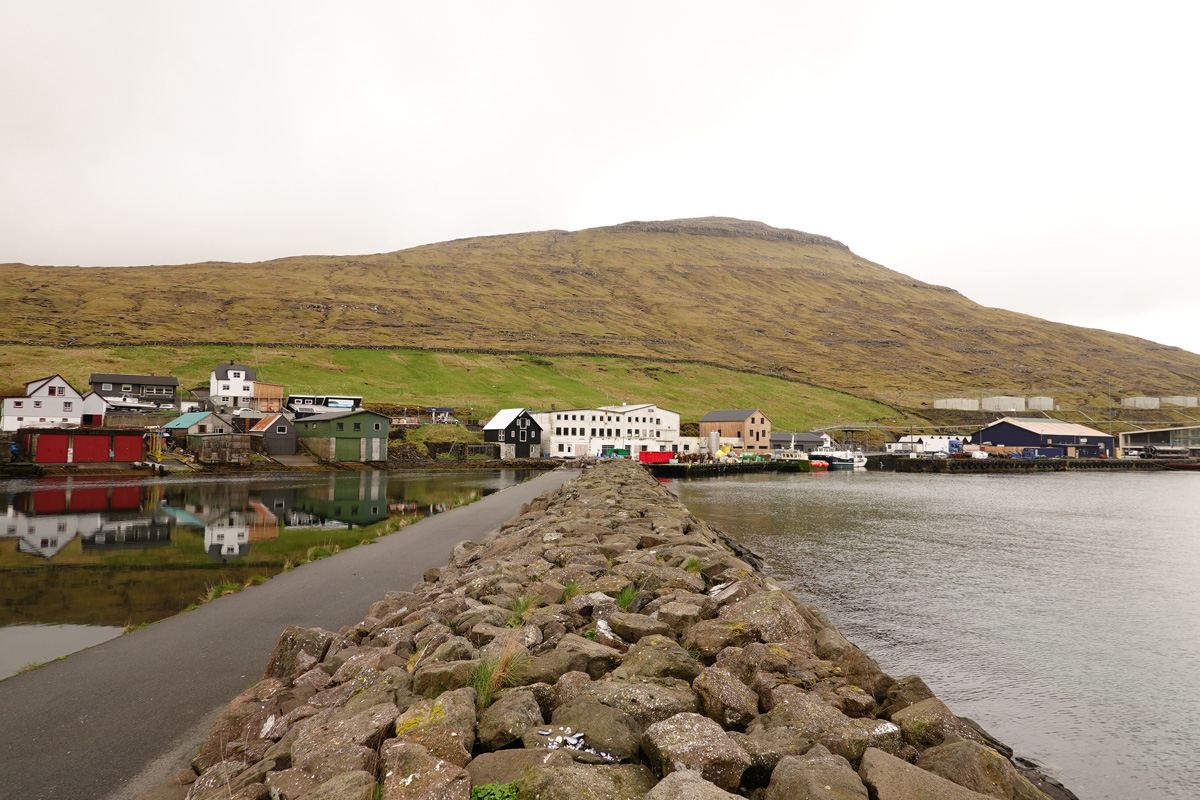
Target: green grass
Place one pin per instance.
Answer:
(520, 606)
(626, 596)
(466, 381)
(495, 791)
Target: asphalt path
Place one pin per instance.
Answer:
(113, 720)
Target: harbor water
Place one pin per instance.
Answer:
(1061, 611)
(84, 558)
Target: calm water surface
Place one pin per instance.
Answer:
(82, 557)
(1060, 610)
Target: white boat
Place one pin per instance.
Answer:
(839, 459)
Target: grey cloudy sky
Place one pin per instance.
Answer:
(1037, 156)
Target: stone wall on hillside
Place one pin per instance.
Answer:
(603, 644)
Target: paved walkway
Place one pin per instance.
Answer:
(113, 720)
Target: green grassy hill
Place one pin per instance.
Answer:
(470, 381)
(722, 292)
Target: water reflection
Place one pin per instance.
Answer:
(109, 551)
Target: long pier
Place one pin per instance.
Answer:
(904, 464)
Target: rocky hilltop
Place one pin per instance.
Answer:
(735, 294)
(603, 645)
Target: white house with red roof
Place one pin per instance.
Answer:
(51, 403)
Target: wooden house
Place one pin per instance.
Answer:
(748, 424)
(136, 392)
(51, 402)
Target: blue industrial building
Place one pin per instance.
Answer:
(1048, 437)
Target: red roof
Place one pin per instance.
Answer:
(264, 424)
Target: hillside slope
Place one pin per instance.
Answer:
(736, 294)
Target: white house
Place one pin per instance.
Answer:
(231, 385)
(577, 432)
(921, 443)
(51, 403)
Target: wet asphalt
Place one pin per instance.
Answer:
(111, 721)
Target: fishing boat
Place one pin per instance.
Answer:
(792, 459)
(839, 459)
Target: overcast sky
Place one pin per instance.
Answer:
(1042, 157)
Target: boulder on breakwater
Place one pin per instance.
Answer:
(603, 644)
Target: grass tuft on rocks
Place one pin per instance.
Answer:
(491, 675)
(521, 605)
(626, 596)
(494, 791)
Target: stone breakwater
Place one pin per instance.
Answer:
(606, 644)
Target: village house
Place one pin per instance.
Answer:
(516, 431)
(136, 392)
(803, 442)
(748, 424)
(578, 432)
(51, 402)
(346, 436)
(274, 435)
(196, 422)
(922, 443)
(231, 385)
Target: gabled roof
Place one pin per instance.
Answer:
(34, 385)
(264, 424)
(116, 377)
(503, 419)
(349, 412)
(185, 421)
(1049, 427)
(222, 370)
(732, 415)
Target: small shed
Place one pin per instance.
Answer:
(346, 436)
(220, 448)
(516, 431)
(196, 422)
(274, 435)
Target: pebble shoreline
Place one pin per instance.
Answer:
(647, 655)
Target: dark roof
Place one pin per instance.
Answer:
(801, 438)
(734, 415)
(104, 377)
(340, 414)
(222, 370)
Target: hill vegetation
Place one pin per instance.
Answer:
(737, 295)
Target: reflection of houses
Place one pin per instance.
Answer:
(57, 511)
(346, 436)
(46, 535)
(358, 499)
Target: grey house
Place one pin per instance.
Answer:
(277, 435)
(136, 392)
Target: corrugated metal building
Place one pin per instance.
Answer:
(1050, 437)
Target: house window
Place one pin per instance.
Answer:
(37, 403)
(224, 387)
(18, 404)
(501, 436)
(560, 448)
(281, 429)
(201, 429)
(66, 405)
(107, 387)
(245, 388)
(235, 375)
(341, 426)
(378, 426)
(358, 426)
(126, 387)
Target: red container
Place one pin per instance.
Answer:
(655, 456)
